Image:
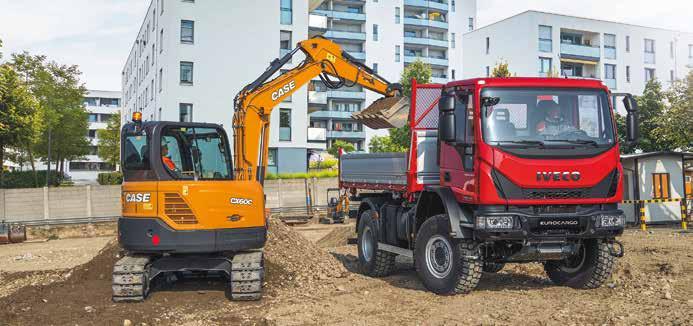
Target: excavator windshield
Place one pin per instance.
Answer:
(195, 153)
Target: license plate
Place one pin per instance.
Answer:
(559, 223)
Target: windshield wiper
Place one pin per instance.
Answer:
(521, 142)
(576, 141)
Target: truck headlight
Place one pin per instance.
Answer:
(495, 222)
(610, 221)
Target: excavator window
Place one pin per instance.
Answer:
(195, 153)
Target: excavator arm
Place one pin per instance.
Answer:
(255, 102)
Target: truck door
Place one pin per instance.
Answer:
(457, 157)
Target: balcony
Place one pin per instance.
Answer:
(317, 22)
(425, 41)
(341, 15)
(325, 114)
(358, 55)
(439, 80)
(317, 134)
(347, 94)
(357, 36)
(610, 83)
(440, 5)
(428, 60)
(315, 97)
(649, 57)
(580, 51)
(425, 22)
(346, 134)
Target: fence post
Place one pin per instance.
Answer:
(279, 193)
(643, 224)
(89, 213)
(683, 214)
(4, 208)
(46, 208)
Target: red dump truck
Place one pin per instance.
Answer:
(499, 170)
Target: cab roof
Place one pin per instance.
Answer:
(530, 82)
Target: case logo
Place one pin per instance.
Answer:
(283, 90)
(558, 176)
(241, 201)
(138, 197)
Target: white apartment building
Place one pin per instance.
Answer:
(537, 44)
(191, 58)
(101, 105)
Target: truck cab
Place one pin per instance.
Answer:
(499, 170)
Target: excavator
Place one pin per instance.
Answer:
(190, 207)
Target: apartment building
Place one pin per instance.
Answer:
(101, 105)
(624, 56)
(190, 58)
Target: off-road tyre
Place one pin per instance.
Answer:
(490, 267)
(588, 273)
(372, 261)
(453, 266)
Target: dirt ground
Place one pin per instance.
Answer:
(315, 282)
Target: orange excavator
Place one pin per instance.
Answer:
(192, 208)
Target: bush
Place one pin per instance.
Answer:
(325, 164)
(25, 179)
(303, 175)
(110, 178)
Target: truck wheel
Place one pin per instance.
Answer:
(490, 267)
(588, 269)
(372, 262)
(445, 265)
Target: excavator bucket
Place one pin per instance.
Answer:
(387, 112)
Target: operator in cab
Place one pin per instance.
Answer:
(166, 159)
(553, 122)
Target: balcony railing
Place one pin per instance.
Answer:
(425, 22)
(440, 5)
(425, 41)
(347, 94)
(341, 15)
(317, 134)
(345, 134)
(326, 114)
(359, 36)
(650, 57)
(317, 21)
(439, 80)
(429, 60)
(580, 51)
(358, 55)
(315, 97)
(610, 83)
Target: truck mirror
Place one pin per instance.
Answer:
(632, 128)
(446, 126)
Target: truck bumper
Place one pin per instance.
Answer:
(151, 235)
(534, 227)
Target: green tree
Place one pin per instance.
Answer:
(334, 149)
(109, 141)
(398, 139)
(17, 111)
(501, 70)
(675, 127)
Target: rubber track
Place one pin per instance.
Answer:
(247, 275)
(470, 267)
(130, 279)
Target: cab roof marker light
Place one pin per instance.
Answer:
(137, 116)
(481, 82)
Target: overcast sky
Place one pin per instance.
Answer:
(97, 34)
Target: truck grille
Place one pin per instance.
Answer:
(556, 193)
(178, 210)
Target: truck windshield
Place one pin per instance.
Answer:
(201, 153)
(546, 117)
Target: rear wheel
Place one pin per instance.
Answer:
(372, 261)
(588, 269)
(445, 265)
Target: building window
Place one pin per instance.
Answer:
(544, 67)
(285, 124)
(397, 15)
(93, 118)
(286, 12)
(488, 71)
(470, 23)
(186, 72)
(671, 49)
(375, 68)
(185, 112)
(452, 40)
(690, 51)
(649, 51)
(628, 74)
(453, 74)
(627, 43)
(161, 79)
(661, 188)
(488, 45)
(375, 32)
(272, 157)
(649, 74)
(609, 71)
(452, 5)
(671, 76)
(162, 7)
(187, 31)
(397, 53)
(545, 39)
(152, 97)
(285, 40)
(609, 46)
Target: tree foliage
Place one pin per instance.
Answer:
(675, 128)
(109, 141)
(334, 149)
(501, 70)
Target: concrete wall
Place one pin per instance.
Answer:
(104, 201)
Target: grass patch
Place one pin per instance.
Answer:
(303, 175)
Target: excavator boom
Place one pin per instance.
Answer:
(255, 102)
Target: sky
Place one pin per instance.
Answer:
(97, 34)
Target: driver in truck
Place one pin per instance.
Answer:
(553, 122)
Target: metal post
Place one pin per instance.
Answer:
(643, 224)
(684, 225)
(48, 170)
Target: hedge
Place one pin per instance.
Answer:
(110, 178)
(303, 175)
(25, 179)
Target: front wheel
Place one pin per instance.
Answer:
(445, 265)
(588, 269)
